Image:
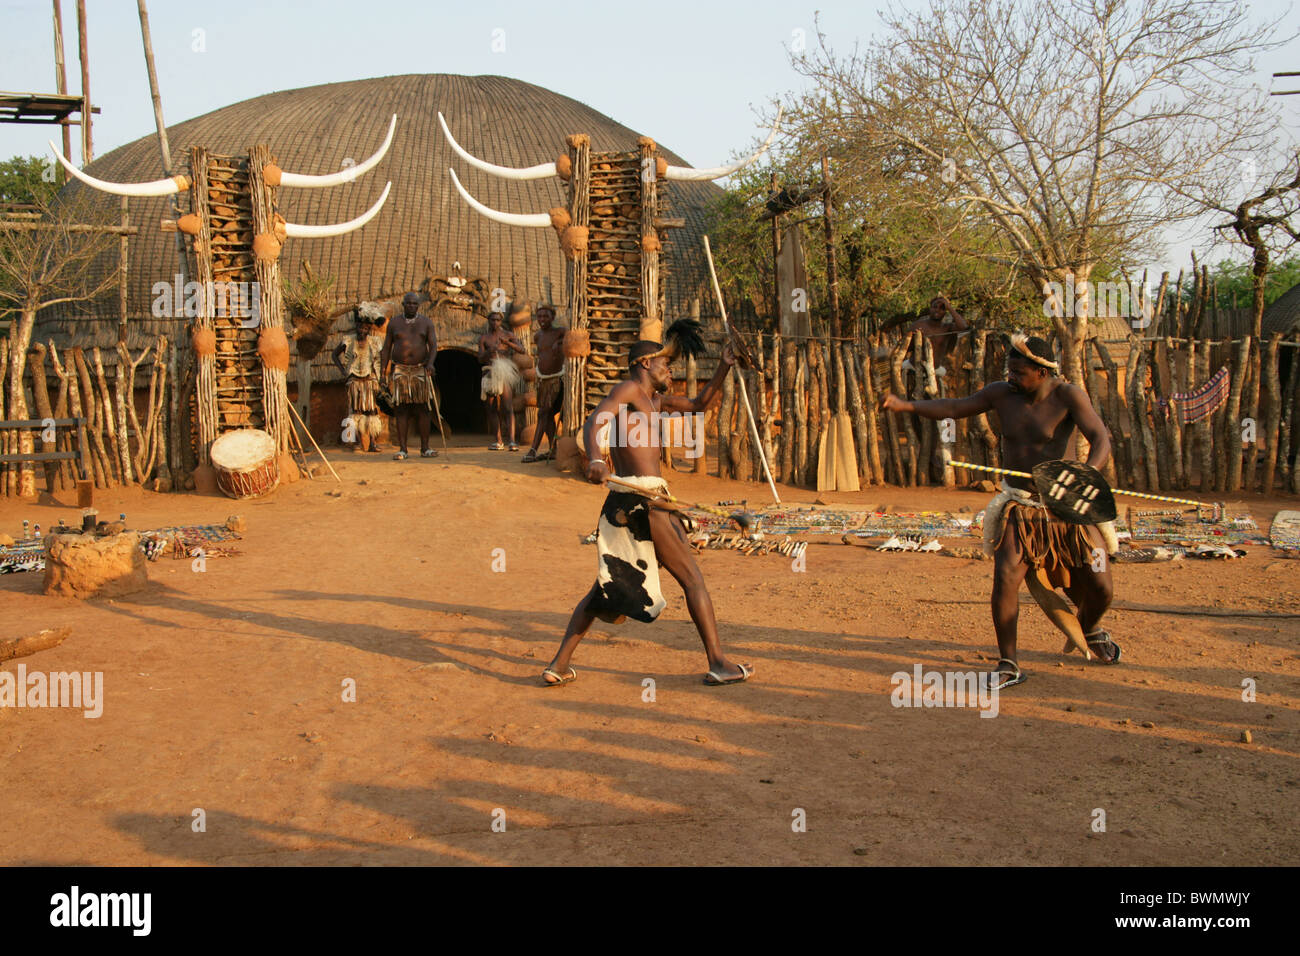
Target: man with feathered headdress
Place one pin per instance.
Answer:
(1027, 541)
(358, 358)
(638, 531)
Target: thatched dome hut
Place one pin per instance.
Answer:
(424, 228)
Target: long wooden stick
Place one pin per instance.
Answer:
(299, 420)
(744, 393)
(433, 390)
(654, 496)
(1114, 491)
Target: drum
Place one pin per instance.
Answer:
(246, 462)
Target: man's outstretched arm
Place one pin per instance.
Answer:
(941, 408)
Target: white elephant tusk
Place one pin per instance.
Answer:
(305, 181)
(536, 219)
(159, 187)
(505, 172)
(687, 175)
(337, 229)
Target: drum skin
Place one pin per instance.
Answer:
(246, 462)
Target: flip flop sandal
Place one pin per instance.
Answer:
(429, 453)
(717, 680)
(530, 456)
(1099, 638)
(400, 456)
(374, 451)
(566, 679)
(1011, 678)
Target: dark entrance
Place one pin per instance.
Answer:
(459, 380)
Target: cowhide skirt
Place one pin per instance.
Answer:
(627, 573)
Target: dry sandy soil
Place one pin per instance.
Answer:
(223, 691)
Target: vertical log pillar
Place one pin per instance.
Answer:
(1204, 431)
(275, 394)
(652, 325)
(575, 385)
(205, 385)
(1273, 421)
(1288, 416)
(1232, 426)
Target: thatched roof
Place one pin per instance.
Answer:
(316, 129)
(1284, 314)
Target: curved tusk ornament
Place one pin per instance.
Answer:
(685, 175)
(337, 229)
(533, 219)
(540, 171)
(158, 187)
(307, 181)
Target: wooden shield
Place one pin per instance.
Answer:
(1075, 492)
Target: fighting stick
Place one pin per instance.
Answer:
(298, 419)
(1113, 491)
(433, 390)
(744, 393)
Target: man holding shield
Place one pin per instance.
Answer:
(1048, 540)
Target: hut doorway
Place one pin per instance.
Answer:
(459, 379)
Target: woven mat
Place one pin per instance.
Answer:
(775, 519)
(1187, 529)
(29, 555)
(1285, 531)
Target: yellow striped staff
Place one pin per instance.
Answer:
(1114, 491)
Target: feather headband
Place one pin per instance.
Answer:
(1020, 342)
(684, 337)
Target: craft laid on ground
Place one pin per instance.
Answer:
(1187, 528)
(1284, 532)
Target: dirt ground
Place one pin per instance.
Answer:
(224, 692)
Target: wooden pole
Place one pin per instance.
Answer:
(166, 466)
(776, 260)
(1205, 433)
(1288, 416)
(1232, 420)
(907, 459)
(87, 146)
(982, 427)
(726, 404)
(789, 429)
(832, 269)
(862, 360)
(41, 396)
(294, 412)
(61, 80)
(1273, 421)
(713, 274)
(800, 393)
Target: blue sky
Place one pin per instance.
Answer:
(691, 74)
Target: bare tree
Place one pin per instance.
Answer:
(53, 259)
(1078, 128)
(1264, 223)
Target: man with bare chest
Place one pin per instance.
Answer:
(1039, 413)
(639, 531)
(550, 383)
(410, 349)
(941, 328)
